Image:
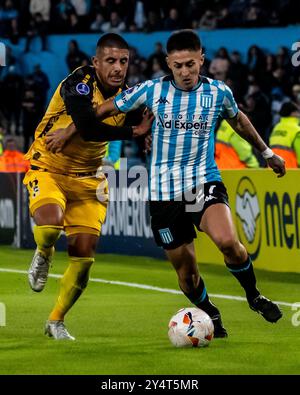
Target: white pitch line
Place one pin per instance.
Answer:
(145, 286)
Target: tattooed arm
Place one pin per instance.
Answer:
(242, 125)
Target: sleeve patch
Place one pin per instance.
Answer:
(82, 88)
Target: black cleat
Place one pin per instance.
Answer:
(219, 330)
(269, 310)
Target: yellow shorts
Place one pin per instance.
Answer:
(84, 211)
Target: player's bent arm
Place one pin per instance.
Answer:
(87, 123)
(78, 99)
(56, 140)
(242, 125)
(104, 132)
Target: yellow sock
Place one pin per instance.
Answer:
(45, 237)
(72, 284)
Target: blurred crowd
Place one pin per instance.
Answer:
(23, 101)
(31, 18)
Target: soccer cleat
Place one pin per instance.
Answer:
(219, 330)
(57, 330)
(269, 310)
(38, 271)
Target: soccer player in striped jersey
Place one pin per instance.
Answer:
(186, 188)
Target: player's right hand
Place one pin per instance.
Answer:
(145, 125)
(277, 163)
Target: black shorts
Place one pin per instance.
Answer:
(173, 222)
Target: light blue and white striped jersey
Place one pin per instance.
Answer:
(182, 155)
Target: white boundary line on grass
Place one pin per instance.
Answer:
(144, 286)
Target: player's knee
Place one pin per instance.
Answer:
(81, 251)
(82, 245)
(228, 245)
(49, 214)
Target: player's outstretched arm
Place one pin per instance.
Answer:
(104, 132)
(58, 139)
(242, 125)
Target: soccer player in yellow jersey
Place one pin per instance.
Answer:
(62, 185)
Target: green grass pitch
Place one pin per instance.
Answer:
(123, 330)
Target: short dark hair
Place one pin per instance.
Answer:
(112, 40)
(185, 39)
(288, 108)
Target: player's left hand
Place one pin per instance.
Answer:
(277, 163)
(56, 140)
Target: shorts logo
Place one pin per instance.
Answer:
(166, 235)
(206, 101)
(202, 198)
(35, 188)
(82, 89)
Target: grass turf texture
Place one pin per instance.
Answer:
(123, 330)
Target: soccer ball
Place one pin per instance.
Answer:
(191, 327)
